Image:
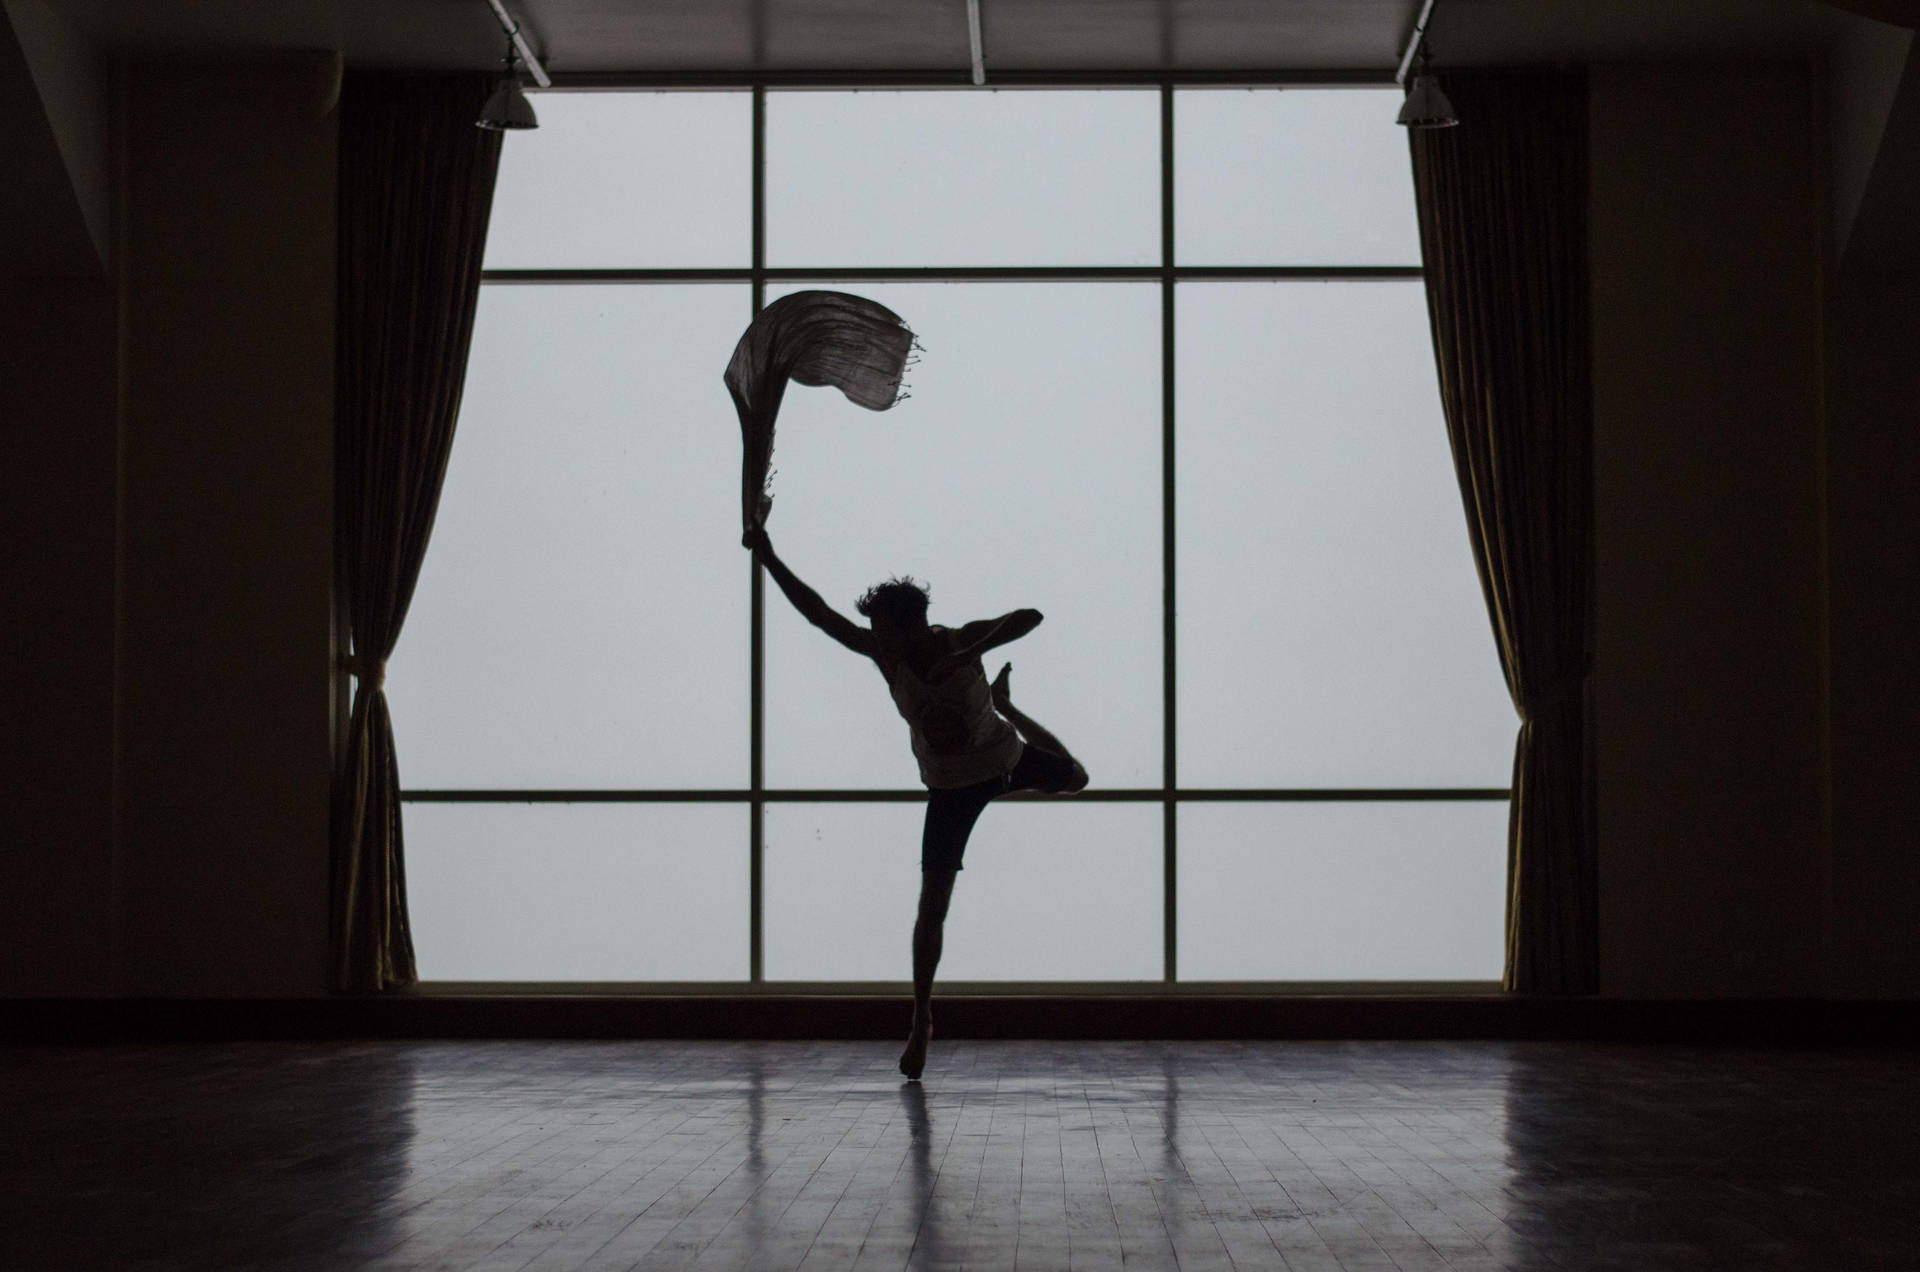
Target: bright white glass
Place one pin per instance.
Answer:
(1292, 177)
(659, 180)
(963, 178)
(582, 616)
(1024, 470)
(1362, 891)
(1051, 891)
(1331, 627)
(591, 892)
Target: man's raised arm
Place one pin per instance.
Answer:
(806, 600)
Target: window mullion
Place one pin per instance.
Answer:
(1169, 810)
(756, 764)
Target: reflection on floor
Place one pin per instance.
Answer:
(1042, 1155)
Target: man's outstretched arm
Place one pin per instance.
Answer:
(977, 637)
(806, 600)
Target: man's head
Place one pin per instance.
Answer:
(899, 603)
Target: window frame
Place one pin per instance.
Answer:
(1168, 273)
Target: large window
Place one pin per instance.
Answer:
(1177, 392)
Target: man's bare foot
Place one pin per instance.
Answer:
(914, 1059)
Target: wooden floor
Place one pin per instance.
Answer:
(1043, 1155)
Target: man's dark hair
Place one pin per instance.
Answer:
(903, 600)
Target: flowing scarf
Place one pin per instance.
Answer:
(814, 338)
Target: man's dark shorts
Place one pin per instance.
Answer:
(951, 813)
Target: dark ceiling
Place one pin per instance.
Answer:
(603, 37)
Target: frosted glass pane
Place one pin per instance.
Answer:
(1024, 470)
(1292, 177)
(1373, 891)
(660, 180)
(963, 178)
(581, 619)
(578, 891)
(1051, 891)
(1331, 631)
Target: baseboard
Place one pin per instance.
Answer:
(1750, 1021)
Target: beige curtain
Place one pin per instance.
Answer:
(415, 188)
(1503, 230)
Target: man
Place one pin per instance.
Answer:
(970, 740)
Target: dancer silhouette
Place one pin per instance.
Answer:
(972, 743)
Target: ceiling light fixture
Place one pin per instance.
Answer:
(508, 107)
(1426, 106)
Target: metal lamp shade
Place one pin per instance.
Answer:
(1426, 106)
(508, 107)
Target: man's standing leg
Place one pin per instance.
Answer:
(936, 893)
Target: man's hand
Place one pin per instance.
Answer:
(1001, 689)
(756, 540)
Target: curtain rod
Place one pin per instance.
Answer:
(1413, 43)
(520, 45)
(974, 44)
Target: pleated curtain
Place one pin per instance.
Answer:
(1503, 231)
(415, 189)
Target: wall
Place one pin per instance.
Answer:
(1708, 684)
(72, 82)
(54, 108)
(58, 431)
(1864, 73)
(227, 578)
(1875, 467)
(1880, 237)
(168, 437)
